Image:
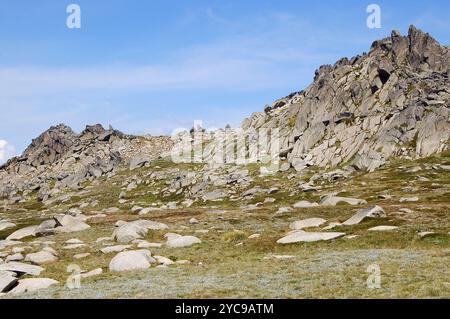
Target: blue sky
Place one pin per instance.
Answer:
(153, 66)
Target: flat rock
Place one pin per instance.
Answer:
(308, 237)
(22, 233)
(178, 241)
(145, 244)
(92, 273)
(21, 268)
(284, 210)
(115, 249)
(383, 228)
(15, 257)
(371, 212)
(6, 225)
(74, 246)
(7, 280)
(426, 234)
(111, 210)
(70, 224)
(306, 223)
(9, 243)
(334, 200)
(32, 284)
(409, 199)
(41, 258)
(74, 241)
(305, 204)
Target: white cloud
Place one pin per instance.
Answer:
(256, 59)
(6, 151)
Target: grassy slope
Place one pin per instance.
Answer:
(410, 266)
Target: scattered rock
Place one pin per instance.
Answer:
(32, 284)
(129, 260)
(333, 201)
(305, 204)
(21, 268)
(307, 237)
(178, 241)
(383, 228)
(41, 258)
(7, 280)
(371, 212)
(115, 249)
(409, 199)
(6, 225)
(307, 223)
(22, 233)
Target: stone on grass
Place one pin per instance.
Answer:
(307, 237)
(32, 284)
(81, 256)
(426, 234)
(22, 233)
(178, 241)
(115, 249)
(70, 224)
(409, 199)
(21, 268)
(5, 225)
(74, 241)
(74, 246)
(15, 257)
(383, 228)
(129, 260)
(92, 273)
(127, 232)
(41, 258)
(193, 221)
(334, 200)
(371, 212)
(145, 244)
(306, 223)
(284, 210)
(305, 204)
(163, 260)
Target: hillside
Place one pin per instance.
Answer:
(363, 183)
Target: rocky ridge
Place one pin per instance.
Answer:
(393, 101)
(59, 158)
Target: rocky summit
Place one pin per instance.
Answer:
(391, 102)
(362, 183)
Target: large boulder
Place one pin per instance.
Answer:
(178, 241)
(128, 232)
(131, 260)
